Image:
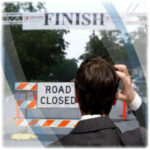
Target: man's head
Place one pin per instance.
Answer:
(96, 85)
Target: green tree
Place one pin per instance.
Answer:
(38, 51)
(25, 7)
(94, 47)
(108, 44)
(139, 39)
(64, 71)
(115, 46)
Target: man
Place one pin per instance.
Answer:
(96, 85)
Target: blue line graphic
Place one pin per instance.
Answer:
(133, 58)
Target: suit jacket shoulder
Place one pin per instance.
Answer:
(136, 137)
(101, 131)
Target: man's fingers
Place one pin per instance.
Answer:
(122, 68)
(123, 77)
(121, 96)
(127, 94)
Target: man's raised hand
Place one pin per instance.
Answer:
(127, 93)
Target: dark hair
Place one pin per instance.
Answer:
(96, 85)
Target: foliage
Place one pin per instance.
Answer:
(139, 38)
(23, 7)
(38, 50)
(95, 48)
(108, 45)
(64, 71)
(41, 52)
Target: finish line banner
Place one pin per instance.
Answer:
(45, 21)
(56, 95)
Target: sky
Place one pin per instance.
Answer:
(78, 38)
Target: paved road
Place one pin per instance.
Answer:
(48, 135)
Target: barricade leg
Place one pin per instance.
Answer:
(17, 106)
(124, 111)
(34, 95)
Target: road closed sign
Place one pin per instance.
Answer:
(56, 95)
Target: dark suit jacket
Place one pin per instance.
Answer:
(101, 131)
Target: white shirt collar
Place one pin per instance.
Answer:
(84, 117)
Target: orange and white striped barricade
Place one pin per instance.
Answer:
(25, 86)
(24, 104)
(47, 123)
